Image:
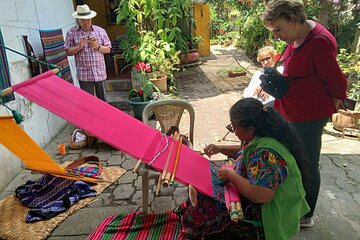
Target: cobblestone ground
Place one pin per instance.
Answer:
(337, 215)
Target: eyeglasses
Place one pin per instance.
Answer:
(265, 59)
(230, 128)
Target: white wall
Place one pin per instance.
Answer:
(26, 17)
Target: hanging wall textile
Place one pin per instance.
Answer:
(35, 158)
(4, 71)
(54, 52)
(115, 127)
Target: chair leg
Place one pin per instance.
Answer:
(145, 190)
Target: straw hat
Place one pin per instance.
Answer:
(83, 12)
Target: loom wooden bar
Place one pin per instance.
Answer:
(176, 162)
(137, 165)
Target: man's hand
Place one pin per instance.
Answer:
(93, 43)
(82, 43)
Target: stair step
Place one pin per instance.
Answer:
(118, 85)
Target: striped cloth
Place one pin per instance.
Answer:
(53, 46)
(4, 72)
(139, 226)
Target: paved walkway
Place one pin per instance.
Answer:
(338, 212)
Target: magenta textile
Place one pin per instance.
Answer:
(115, 127)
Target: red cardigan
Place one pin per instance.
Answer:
(317, 79)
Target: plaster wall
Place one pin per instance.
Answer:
(26, 17)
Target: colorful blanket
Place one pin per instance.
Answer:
(53, 45)
(140, 226)
(4, 72)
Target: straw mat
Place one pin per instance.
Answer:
(13, 213)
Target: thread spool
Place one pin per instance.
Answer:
(62, 149)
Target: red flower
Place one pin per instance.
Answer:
(140, 92)
(143, 66)
(221, 30)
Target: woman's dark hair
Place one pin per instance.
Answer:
(249, 112)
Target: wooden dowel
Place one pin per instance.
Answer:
(239, 210)
(176, 162)
(158, 187)
(168, 174)
(163, 175)
(137, 165)
(167, 179)
(233, 212)
(9, 90)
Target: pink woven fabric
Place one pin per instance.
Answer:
(114, 127)
(230, 192)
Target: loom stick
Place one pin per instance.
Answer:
(158, 187)
(176, 162)
(163, 175)
(168, 174)
(137, 165)
(9, 90)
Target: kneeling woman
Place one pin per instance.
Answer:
(266, 175)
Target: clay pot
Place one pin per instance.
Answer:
(192, 56)
(236, 74)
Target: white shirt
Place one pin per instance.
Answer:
(255, 82)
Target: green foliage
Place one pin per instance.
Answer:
(252, 32)
(350, 65)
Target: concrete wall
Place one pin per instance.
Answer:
(26, 17)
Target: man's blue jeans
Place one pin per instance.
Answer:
(310, 134)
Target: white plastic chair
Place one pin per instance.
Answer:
(168, 113)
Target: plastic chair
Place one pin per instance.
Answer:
(168, 112)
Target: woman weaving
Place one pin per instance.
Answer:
(265, 174)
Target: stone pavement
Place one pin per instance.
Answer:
(338, 212)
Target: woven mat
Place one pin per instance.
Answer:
(13, 213)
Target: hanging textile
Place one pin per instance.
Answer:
(4, 72)
(115, 128)
(53, 45)
(34, 157)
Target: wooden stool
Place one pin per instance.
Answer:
(118, 58)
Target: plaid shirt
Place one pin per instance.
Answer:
(90, 63)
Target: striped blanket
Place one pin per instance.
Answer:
(4, 72)
(53, 46)
(139, 226)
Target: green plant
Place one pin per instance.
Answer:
(145, 87)
(350, 65)
(223, 73)
(159, 54)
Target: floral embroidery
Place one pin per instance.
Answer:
(265, 168)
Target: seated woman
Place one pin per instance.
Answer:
(265, 174)
(267, 57)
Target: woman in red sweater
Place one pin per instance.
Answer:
(317, 87)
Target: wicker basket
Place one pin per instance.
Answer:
(77, 145)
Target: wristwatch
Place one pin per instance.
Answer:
(99, 47)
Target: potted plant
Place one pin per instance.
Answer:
(162, 58)
(142, 94)
(236, 72)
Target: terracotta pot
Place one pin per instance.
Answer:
(236, 74)
(160, 83)
(192, 56)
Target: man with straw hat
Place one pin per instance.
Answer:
(88, 43)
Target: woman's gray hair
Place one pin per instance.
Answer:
(288, 10)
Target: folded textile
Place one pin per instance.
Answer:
(140, 226)
(50, 196)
